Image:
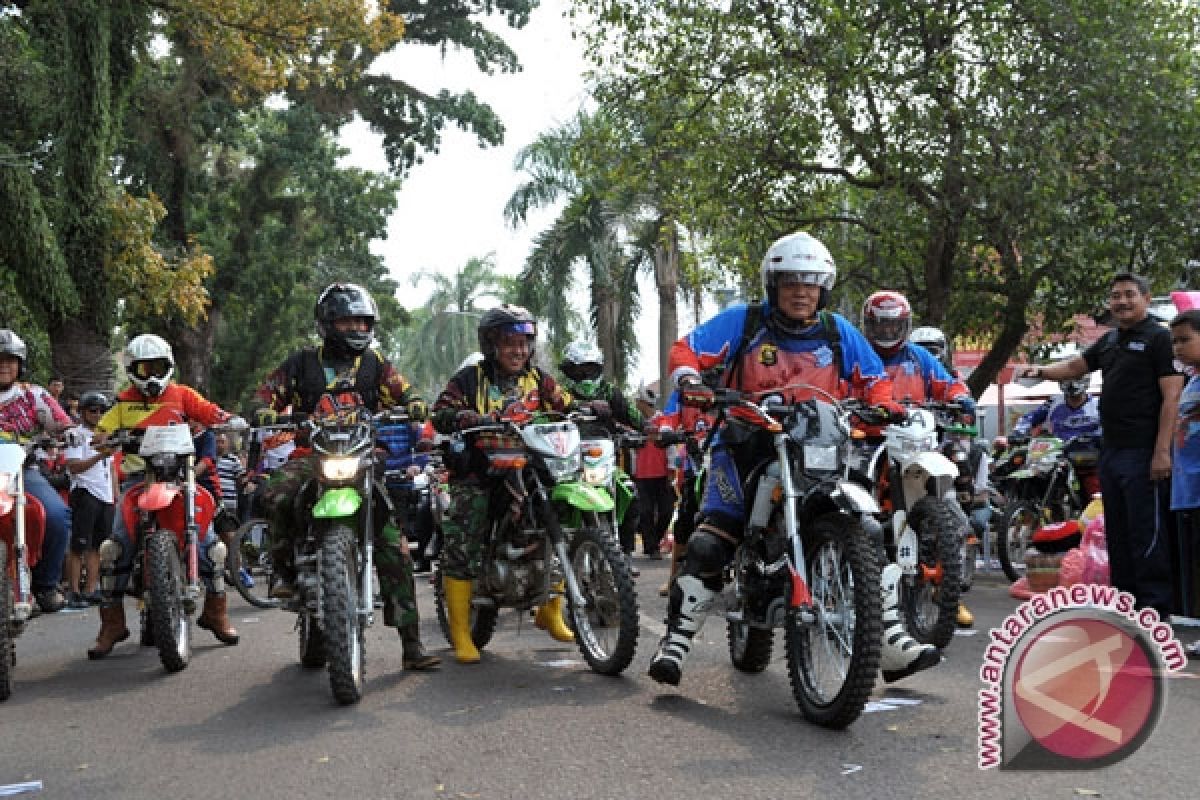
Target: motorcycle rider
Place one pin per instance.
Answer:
(917, 374)
(582, 367)
(787, 339)
(345, 315)
(473, 397)
(26, 409)
(154, 399)
(1073, 414)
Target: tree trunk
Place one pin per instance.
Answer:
(666, 281)
(193, 346)
(82, 358)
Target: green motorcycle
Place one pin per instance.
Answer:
(551, 534)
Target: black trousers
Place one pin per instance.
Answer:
(656, 497)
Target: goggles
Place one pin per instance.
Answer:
(152, 368)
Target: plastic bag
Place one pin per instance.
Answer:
(1095, 553)
(1071, 571)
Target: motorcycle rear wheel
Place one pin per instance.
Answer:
(843, 572)
(169, 625)
(606, 626)
(749, 647)
(930, 608)
(345, 643)
(482, 620)
(255, 558)
(8, 654)
(1019, 523)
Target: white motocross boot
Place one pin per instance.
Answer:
(689, 606)
(902, 654)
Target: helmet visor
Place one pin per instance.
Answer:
(151, 368)
(523, 328)
(888, 331)
(795, 278)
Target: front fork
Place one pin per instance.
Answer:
(23, 607)
(801, 597)
(559, 541)
(366, 592)
(192, 538)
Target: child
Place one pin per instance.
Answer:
(91, 501)
(1185, 462)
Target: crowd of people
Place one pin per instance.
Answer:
(789, 338)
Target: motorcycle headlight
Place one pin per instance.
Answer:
(340, 469)
(821, 457)
(562, 467)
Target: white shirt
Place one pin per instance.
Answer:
(97, 478)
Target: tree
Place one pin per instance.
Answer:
(592, 229)
(444, 332)
(983, 157)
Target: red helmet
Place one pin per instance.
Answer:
(887, 320)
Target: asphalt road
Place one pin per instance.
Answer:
(531, 721)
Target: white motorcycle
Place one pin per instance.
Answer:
(923, 527)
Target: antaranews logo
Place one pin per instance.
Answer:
(1075, 678)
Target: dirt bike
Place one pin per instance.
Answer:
(22, 528)
(923, 527)
(1054, 486)
(551, 533)
(333, 555)
(164, 515)
(806, 563)
(600, 447)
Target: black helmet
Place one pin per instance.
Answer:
(506, 318)
(339, 301)
(93, 400)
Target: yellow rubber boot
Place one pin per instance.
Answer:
(458, 619)
(965, 618)
(549, 618)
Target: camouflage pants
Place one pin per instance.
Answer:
(393, 564)
(464, 526)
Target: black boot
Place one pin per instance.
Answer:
(415, 656)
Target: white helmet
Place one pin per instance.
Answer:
(932, 340)
(800, 254)
(149, 363)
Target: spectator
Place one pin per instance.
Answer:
(656, 494)
(230, 470)
(1138, 405)
(1185, 479)
(91, 501)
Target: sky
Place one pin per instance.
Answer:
(451, 206)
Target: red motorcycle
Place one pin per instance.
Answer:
(164, 516)
(22, 528)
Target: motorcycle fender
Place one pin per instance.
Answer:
(156, 496)
(583, 497)
(852, 498)
(933, 464)
(337, 503)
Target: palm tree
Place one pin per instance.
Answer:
(444, 332)
(590, 229)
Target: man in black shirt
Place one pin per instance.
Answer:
(1138, 405)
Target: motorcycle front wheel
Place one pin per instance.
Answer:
(930, 602)
(345, 645)
(8, 654)
(606, 625)
(170, 627)
(833, 660)
(1017, 526)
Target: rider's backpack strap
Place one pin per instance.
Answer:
(834, 334)
(750, 327)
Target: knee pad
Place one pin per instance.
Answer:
(706, 556)
(216, 555)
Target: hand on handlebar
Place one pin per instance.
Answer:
(472, 419)
(696, 395)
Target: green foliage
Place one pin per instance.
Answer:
(985, 158)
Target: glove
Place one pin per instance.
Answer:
(236, 423)
(417, 410)
(966, 403)
(892, 412)
(471, 419)
(601, 409)
(696, 395)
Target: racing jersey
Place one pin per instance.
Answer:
(917, 376)
(1061, 420)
